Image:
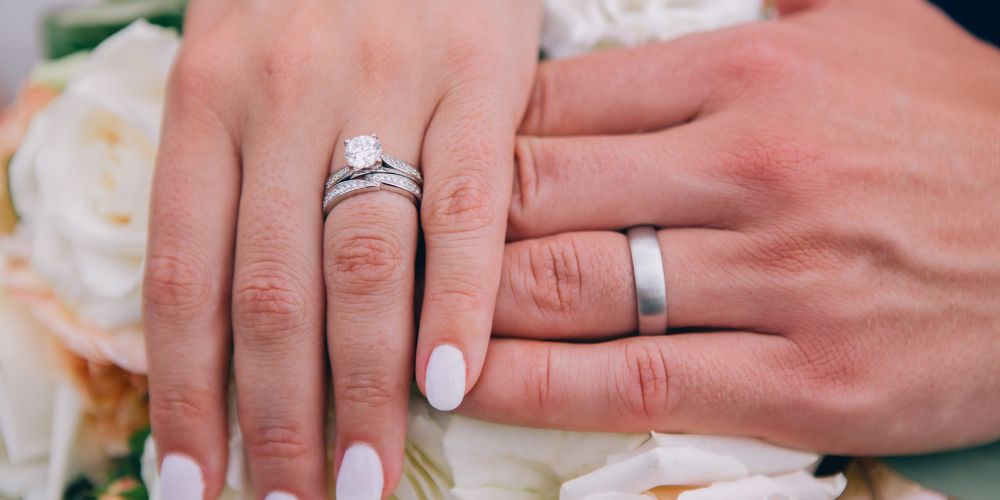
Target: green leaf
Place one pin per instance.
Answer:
(56, 73)
(8, 214)
(139, 493)
(81, 489)
(76, 28)
(137, 442)
(970, 474)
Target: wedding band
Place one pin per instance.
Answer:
(403, 167)
(370, 183)
(650, 282)
(369, 169)
(349, 173)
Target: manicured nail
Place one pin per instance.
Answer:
(445, 382)
(181, 478)
(280, 495)
(360, 476)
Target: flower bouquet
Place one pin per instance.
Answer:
(77, 152)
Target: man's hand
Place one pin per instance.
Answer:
(829, 191)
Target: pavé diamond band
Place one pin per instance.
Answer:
(369, 169)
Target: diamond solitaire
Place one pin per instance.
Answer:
(368, 169)
(363, 152)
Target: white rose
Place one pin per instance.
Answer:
(574, 27)
(43, 443)
(492, 461)
(450, 457)
(81, 178)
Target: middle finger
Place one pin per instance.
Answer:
(670, 178)
(581, 285)
(277, 309)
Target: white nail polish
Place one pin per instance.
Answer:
(445, 381)
(360, 476)
(280, 495)
(181, 478)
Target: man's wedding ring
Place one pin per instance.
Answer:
(650, 282)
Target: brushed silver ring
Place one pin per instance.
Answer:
(650, 281)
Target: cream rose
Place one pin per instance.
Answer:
(574, 27)
(450, 457)
(81, 179)
(44, 437)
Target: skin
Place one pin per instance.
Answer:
(826, 185)
(241, 264)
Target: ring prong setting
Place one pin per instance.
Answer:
(363, 152)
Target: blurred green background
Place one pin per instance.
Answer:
(73, 28)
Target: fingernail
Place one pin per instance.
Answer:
(445, 382)
(280, 495)
(181, 479)
(360, 476)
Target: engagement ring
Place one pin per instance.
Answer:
(369, 169)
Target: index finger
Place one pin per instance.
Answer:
(731, 383)
(468, 160)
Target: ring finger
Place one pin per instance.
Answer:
(370, 250)
(581, 285)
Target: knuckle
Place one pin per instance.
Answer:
(364, 389)
(458, 292)
(761, 54)
(175, 283)
(644, 389)
(363, 260)
(282, 441)
(172, 408)
(526, 184)
(377, 52)
(196, 78)
(539, 104)
(463, 203)
(287, 65)
(555, 282)
(772, 164)
(536, 387)
(471, 57)
(829, 380)
(279, 67)
(801, 256)
(268, 300)
(825, 365)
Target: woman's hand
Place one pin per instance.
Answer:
(829, 189)
(260, 101)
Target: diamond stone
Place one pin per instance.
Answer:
(362, 152)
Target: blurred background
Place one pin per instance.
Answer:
(19, 20)
(23, 38)
(33, 29)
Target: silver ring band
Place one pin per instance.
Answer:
(372, 182)
(405, 168)
(346, 173)
(369, 169)
(650, 282)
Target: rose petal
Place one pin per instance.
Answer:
(27, 385)
(657, 467)
(759, 457)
